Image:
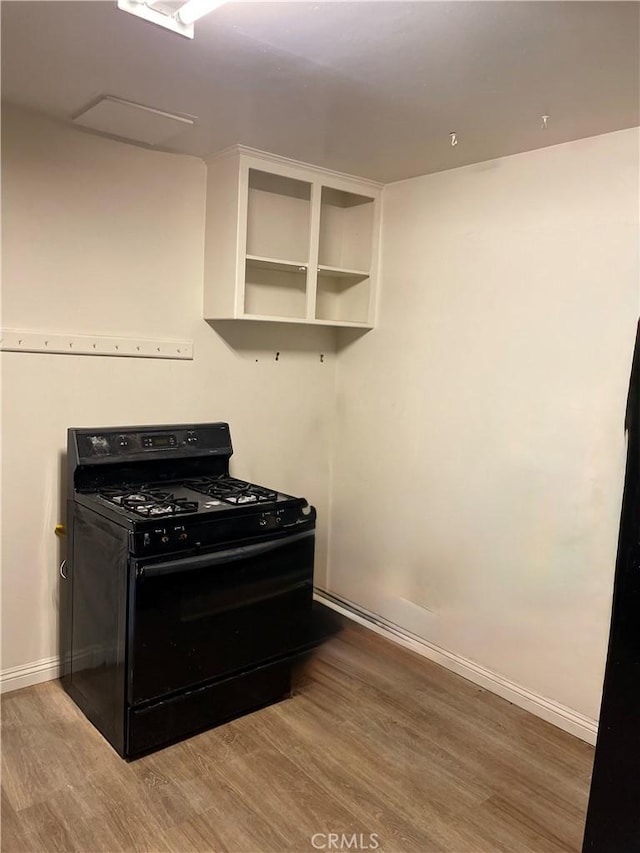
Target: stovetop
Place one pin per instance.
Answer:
(230, 490)
(195, 495)
(170, 488)
(150, 502)
(172, 517)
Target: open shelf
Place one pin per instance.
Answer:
(338, 324)
(275, 264)
(337, 272)
(275, 288)
(346, 229)
(278, 217)
(343, 297)
(288, 242)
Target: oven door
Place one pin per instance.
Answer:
(197, 618)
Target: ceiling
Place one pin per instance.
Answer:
(369, 88)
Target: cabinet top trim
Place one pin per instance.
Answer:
(267, 157)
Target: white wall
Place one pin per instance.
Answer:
(478, 450)
(479, 436)
(101, 237)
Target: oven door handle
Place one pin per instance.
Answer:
(217, 558)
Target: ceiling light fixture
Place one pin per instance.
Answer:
(180, 21)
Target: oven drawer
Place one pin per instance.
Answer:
(168, 720)
(205, 617)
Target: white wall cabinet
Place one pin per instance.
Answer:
(288, 242)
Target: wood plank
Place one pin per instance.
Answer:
(375, 739)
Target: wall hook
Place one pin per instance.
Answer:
(545, 120)
(453, 138)
(277, 356)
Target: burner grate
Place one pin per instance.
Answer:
(148, 502)
(230, 490)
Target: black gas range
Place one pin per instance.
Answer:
(187, 593)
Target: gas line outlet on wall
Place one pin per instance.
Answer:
(13, 340)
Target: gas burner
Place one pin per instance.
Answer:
(230, 490)
(141, 498)
(149, 502)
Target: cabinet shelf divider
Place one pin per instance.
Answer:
(260, 262)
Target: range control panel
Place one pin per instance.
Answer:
(170, 535)
(123, 442)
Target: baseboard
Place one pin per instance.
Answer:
(33, 673)
(553, 712)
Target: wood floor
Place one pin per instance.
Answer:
(374, 740)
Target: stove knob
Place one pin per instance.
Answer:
(164, 539)
(263, 521)
(182, 536)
